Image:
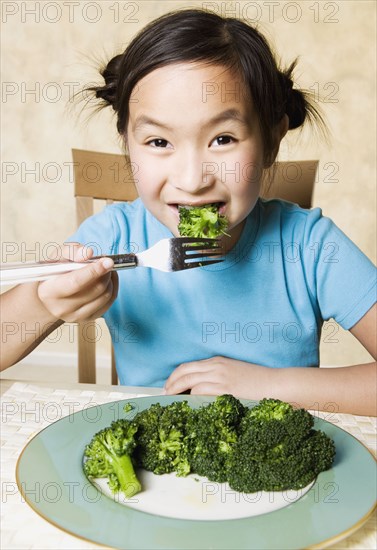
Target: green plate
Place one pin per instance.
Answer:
(50, 478)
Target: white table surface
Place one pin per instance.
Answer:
(27, 407)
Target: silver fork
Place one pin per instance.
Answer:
(173, 254)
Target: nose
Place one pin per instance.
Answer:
(193, 174)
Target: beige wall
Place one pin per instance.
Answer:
(48, 50)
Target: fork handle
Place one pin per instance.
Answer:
(28, 273)
(121, 261)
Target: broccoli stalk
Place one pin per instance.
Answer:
(109, 454)
(201, 221)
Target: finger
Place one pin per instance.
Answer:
(76, 252)
(189, 368)
(198, 385)
(208, 388)
(65, 293)
(114, 294)
(94, 308)
(86, 279)
(115, 280)
(186, 380)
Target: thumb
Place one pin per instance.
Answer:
(76, 252)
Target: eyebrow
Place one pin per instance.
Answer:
(229, 114)
(144, 120)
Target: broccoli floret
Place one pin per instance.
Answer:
(242, 470)
(277, 449)
(162, 446)
(274, 428)
(213, 433)
(109, 454)
(270, 409)
(228, 409)
(201, 221)
(315, 454)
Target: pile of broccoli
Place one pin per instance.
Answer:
(201, 221)
(271, 446)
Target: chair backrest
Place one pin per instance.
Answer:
(292, 181)
(109, 177)
(106, 177)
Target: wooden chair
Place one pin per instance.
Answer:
(292, 181)
(108, 177)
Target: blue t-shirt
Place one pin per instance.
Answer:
(265, 304)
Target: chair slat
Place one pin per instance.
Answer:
(84, 209)
(103, 176)
(86, 353)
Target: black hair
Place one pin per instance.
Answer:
(194, 35)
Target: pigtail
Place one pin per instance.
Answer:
(299, 105)
(108, 91)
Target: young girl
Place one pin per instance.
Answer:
(202, 108)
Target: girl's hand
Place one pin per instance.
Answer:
(219, 375)
(80, 295)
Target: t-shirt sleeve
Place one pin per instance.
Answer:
(98, 232)
(340, 275)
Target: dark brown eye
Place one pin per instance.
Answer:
(158, 142)
(223, 140)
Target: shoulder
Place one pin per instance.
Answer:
(118, 214)
(287, 209)
(293, 220)
(123, 215)
(111, 228)
(315, 235)
(122, 210)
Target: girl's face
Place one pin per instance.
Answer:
(194, 139)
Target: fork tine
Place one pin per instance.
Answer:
(193, 242)
(203, 263)
(196, 239)
(185, 250)
(201, 254)
(201, 246)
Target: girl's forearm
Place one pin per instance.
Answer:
(25, 323)
(338, 389)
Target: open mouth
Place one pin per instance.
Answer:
(220, 206)
(202, 220)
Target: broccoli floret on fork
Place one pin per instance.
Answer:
(202, 221)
